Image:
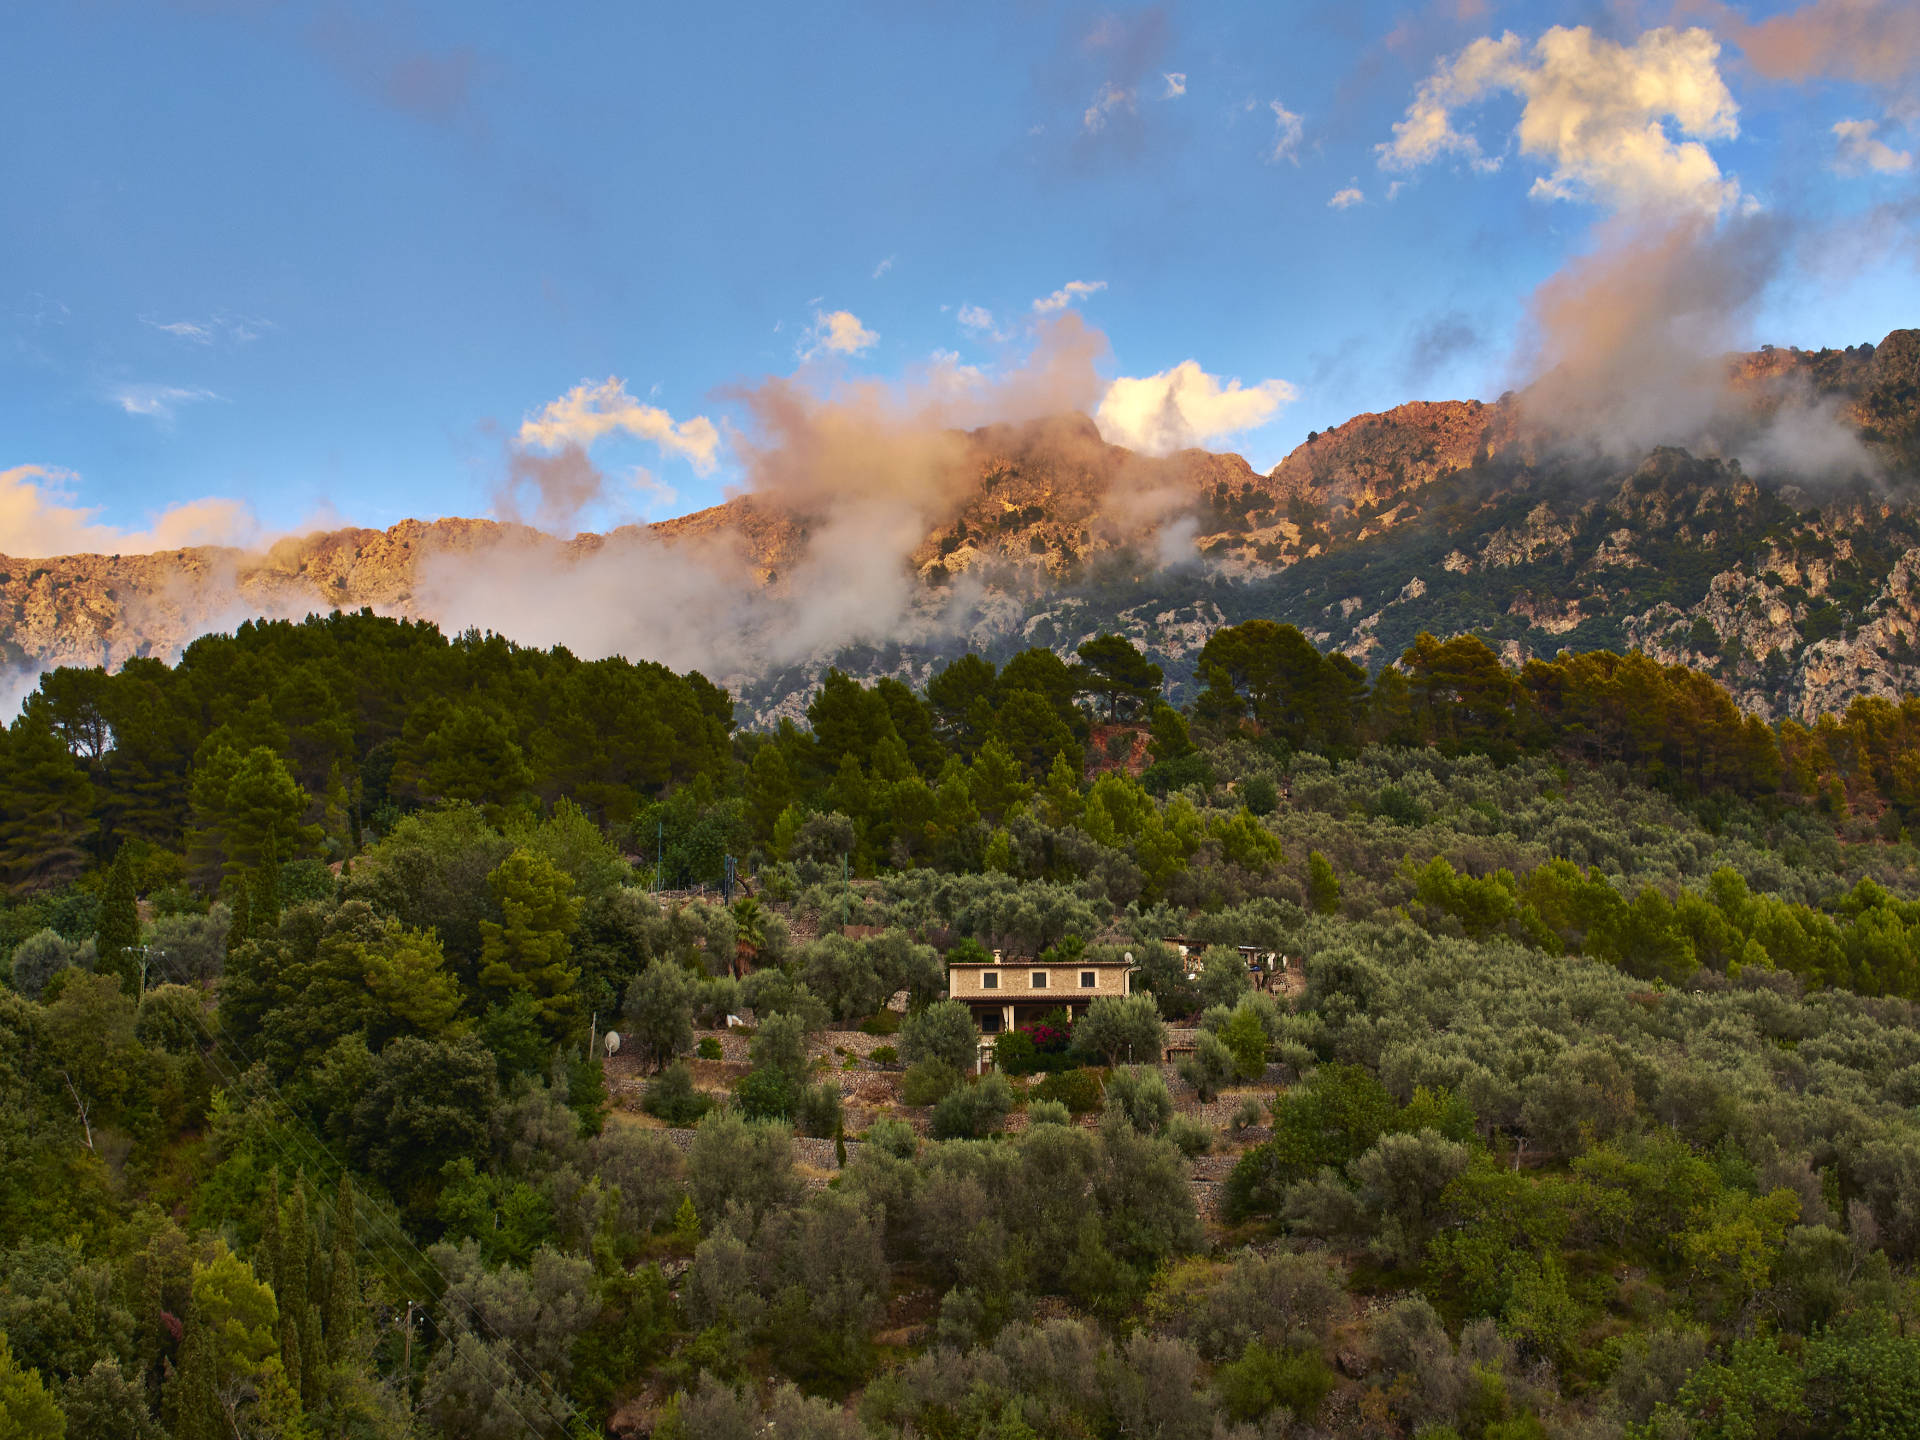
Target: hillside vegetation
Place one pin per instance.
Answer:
(1587, 1104)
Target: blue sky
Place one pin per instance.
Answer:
(322, 262)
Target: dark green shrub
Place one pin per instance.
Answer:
(881, 1022)
(709, 1049)
(766, 1094)
(1015, 1053)
(1189, 1136)
(1079, 1090)
(1262, 1379)
(928, 1082)
(817, 1110)
(1209, 1067)
(884, 1055)
(670, 1096)
(1260, 795)
(970, 1111)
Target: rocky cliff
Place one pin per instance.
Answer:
(1796, 581)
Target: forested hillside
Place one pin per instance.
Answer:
(1586, 1102)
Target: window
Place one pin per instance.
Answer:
(990, 980)
(990, 1023)
(1088, 979)
(1039, 979)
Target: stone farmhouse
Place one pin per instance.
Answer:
(1004, 994)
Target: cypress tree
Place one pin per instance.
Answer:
(119, 926)
(297, 1343)
(271, 1245)
(266, 898)
(190, 1394)
(241, 929)
(276, 1261)
(342, 1315)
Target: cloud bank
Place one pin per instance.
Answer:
(39, 518)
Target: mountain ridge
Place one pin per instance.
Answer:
(1802, 590)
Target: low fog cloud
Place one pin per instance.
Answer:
(863, 469)
(549, 491)
(1636, 344)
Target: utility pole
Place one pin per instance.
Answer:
(406, 1362)
(659, 855)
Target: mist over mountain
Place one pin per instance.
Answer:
(1776, 544)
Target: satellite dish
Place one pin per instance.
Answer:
(1128, 957)
(612, 1042)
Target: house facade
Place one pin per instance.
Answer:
(1005, 994)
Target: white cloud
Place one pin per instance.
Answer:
(1068, 293)
(38, 518)
(978, 320)
(1860, 150)
(157, 402)
(1111, 98)
(1176, 84)
(1624, 125)
(1286, 134)
(593, 409)
(838, 332)
(185, 330)
(883, 267)
(1185, 406)
(233, 329)
(1345, 198)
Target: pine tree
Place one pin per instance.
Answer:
(118, 931)
(532, 953)
(28, 1410)
(46, 807)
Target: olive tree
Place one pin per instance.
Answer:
(659, 1013)
(1121, 1028)
(940, 1031)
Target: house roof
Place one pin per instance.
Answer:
(1030, 964)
